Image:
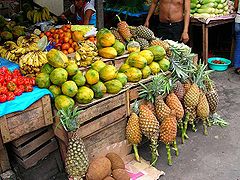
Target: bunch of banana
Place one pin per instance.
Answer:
(39, 15)
(86, 54)
(32, 62)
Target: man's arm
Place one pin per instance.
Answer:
(236, 5)
(150, 12)
(185, 36)
(87, 16)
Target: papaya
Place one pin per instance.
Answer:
(122, 78)
(155, 67)
(113, 86)
(120, 47)
(107, 73)
(47, 68)
(131, 55)
(106, 40)
(43, 80)
(158, 52)
(123, 68)
(92, 76)
(58, 76)
(57, 58)
(133, 74)
(137, 61)
(72, 68)
(102, 32)
(99, 89)
(63, 102)
(107, 52)
(148, 55)
(146, 72)
(84, 95)
(79, 79)
(55, 90)
(69, 88)
(98, 65)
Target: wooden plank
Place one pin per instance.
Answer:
(18, 142)
(1, 141)
(102, 107)
(4, 161)
(34, 144)
(205, 43)
(102, 122)
(47, 110)
(42, 153)
(4, 129)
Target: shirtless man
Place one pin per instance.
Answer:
(174, 19)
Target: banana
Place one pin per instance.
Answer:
(30, 59)
(20, 51)
(48, 16)
(35, 60)
(35, 16)
(8, 55)
(12, 57)
(42, 58)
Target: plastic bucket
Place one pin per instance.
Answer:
(218, 67)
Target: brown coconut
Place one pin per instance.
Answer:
(116, 161)
(109, 178)
(120, 174)
(99, 169)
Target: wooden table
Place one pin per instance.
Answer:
(213, 22)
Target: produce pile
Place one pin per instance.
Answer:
(13, 84)
(211, 8)
(172, 102)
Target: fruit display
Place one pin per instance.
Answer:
(13, 84)
(210, 8)
(39, 15)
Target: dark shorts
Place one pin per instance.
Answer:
(171, 31)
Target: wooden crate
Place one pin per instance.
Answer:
(32, 147)
(4, 161)
(103, 123)
(17, 124)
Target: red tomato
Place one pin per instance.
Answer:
(65, 46)
(3, 70)
(10, 96)
(3, 98)
(52, 30)
(3, 90)
(21, 87)
(56, 36)
(2, 79)
(61, 35)
(47, 33)
(16, 72)
(26, 81)
(28, 88)
(68, 34)
(8, 77)
(11, 86)
(66, 39)
(18, 92)
(20, 80)
(14, 80)
(32, 81)
(68, 26)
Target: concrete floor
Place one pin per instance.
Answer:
(212, 157)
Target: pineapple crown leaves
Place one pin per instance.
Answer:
(68, 118)
(135, 107)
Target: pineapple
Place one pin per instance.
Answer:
(117, 35)
(179, 90)
(162, 110)
(168, 133)
(150, 128)
(192, 96)
(150, 105)
(133, 133)
(123, 29)
(76, 161)
(163, 44)
(143, 43)
(144, 32)
(203, 111)
(186, 86)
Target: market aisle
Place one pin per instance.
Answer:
(217, 156)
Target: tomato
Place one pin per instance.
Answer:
(68, 26)
(70, 50)
(11, 86)
(50, 39)
(65, 46)
(28, 88)
(52, 30)
(60, 31)
(18, 92)
(8, 77)
(61, 35)
(21, 87)
(68, 34)
(56, 36)
(26, 81)
(14, 80)
(3, 90)
(70, 41)
(32, 81)
(65, 52)
(47, 33)
(10, 96)
(16, 72)
(3, 70)
(64, 28)
(2, 79)
(66, 39)
(41, 35)
(3, 98)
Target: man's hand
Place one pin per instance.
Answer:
(185, 37)
(146, 23)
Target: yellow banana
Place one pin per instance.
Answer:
(30, 59)
(8, 55)
(12, 57)
(44, 15)
(47, 13)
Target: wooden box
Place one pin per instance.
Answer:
(17, 124)
(103, 123)
(4, 161)
(32, 147)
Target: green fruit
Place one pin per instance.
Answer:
(133, 74)
(107, 73)
(72, 68)
(57, 58)
(148, 55)
(55, 90)
(158, 52)
(113, 86)
(63, 102)
(131, 55)
(84, 95)
(47, 68)
(98, 65)
(58, 76)
(120, 47)
(123, 68)
(69, 88)
(122, 78)
(43, 80)
(137, 61)
(146, 72)
(6, 35)
(164, 64)
(99, 89)
(92, 76)
(155, 68)
(79, 79)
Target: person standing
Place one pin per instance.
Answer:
(174, 18)
(237, 37)
(82, 11)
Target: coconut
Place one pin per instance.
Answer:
(116, 161)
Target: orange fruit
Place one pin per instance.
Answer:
(66, 39)
(68, 34)
(70, 41)
(70, 50)
(52, 30)
(68, 26)
(41, 35)
(60, 31)
(65, 46)
(65, 52)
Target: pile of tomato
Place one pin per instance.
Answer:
(218, 62)
(62, 39)
(13, 84)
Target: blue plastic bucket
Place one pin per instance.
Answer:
(218, 67)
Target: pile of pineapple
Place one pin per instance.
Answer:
(172, 102)
(140, 35)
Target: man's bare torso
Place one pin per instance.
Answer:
(171, 10)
